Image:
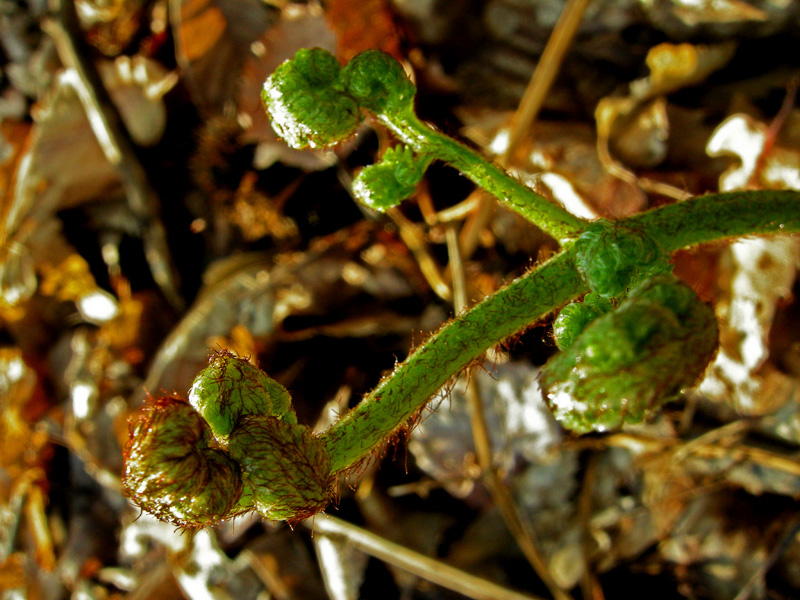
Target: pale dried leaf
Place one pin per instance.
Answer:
(742, 137)
(721, 539)
(635, 128)
(64, 165)
(759, 275)
(260, 291)
(196, 560)
(17, 381)
(17, 277)
(642, 140)
(342, 566)
(137, 86)
(519, 423)
(675, 66)
(214, 38)
(693, 12)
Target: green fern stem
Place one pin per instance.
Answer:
(384, 411)
(406, 390)
(551, 218)
(716, 217)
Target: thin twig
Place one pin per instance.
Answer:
(734, 429)
(787, 538)
(502, 495)
(483, 444)
(590, 586)
(616, 169)
(706, 448)
(413, 237)
(460, 298)
(521, 122)
(544, 74)
(423, 566)
(775, 127)
(117, 146)
(271, 580)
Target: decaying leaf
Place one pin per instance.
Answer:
(17, 381)
(363, 25)
(759, 274)
(214, 39)
(63, 167)
(519, 423)
(111, 25)
(290, 298)
(715, 11)
(342, 567)
(635, 128)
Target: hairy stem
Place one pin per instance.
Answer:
(445, 353)
(462, 340)
(719, 216)
(546, 215)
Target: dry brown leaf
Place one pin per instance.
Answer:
(14, 139)
(17, 382)
(12, 572)
(342, 566)
(110, 25)
(64, 163)
(759, 274)
(363, 25)
(213, 39)
(636, 126)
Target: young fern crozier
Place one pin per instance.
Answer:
(234, 447)
(627, 362)
(635, 341)
(314, 103)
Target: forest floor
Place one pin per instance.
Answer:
(149, 215)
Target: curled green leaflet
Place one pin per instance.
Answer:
(392, 180)
(285, 465)
(378, 83)
(172, 471)
(230, 388)
(613, 257)
(241, 450)
(631, 360)
(575, 317)
(307, 102)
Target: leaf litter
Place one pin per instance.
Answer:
(654, 101)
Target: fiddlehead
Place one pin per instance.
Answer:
(308, 103)
(631, 360)
(237, 447)
(613, 257)
(574, 318)
(312, 102)
(230, 388)
(287, 468)
(392, 180)
(172, 470)
(378, 83)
